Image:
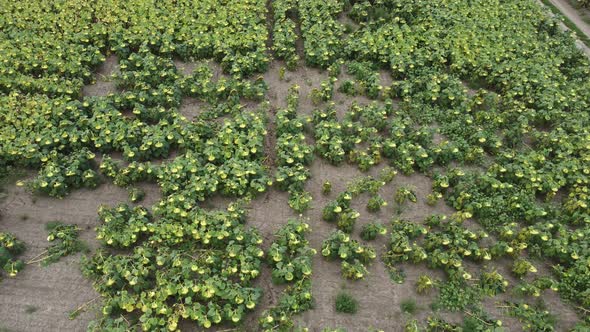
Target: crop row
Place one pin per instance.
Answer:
(294, 155)
(290, 258)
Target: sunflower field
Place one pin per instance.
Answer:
(432, 150)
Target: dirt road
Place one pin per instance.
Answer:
(570, 12)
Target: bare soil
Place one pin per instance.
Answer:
(104, 83)
(192, 107)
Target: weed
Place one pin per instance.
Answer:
(326, 188)
(345, 303)
(29, 309)
(409, 306)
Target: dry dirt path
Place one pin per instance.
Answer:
(572, 14)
